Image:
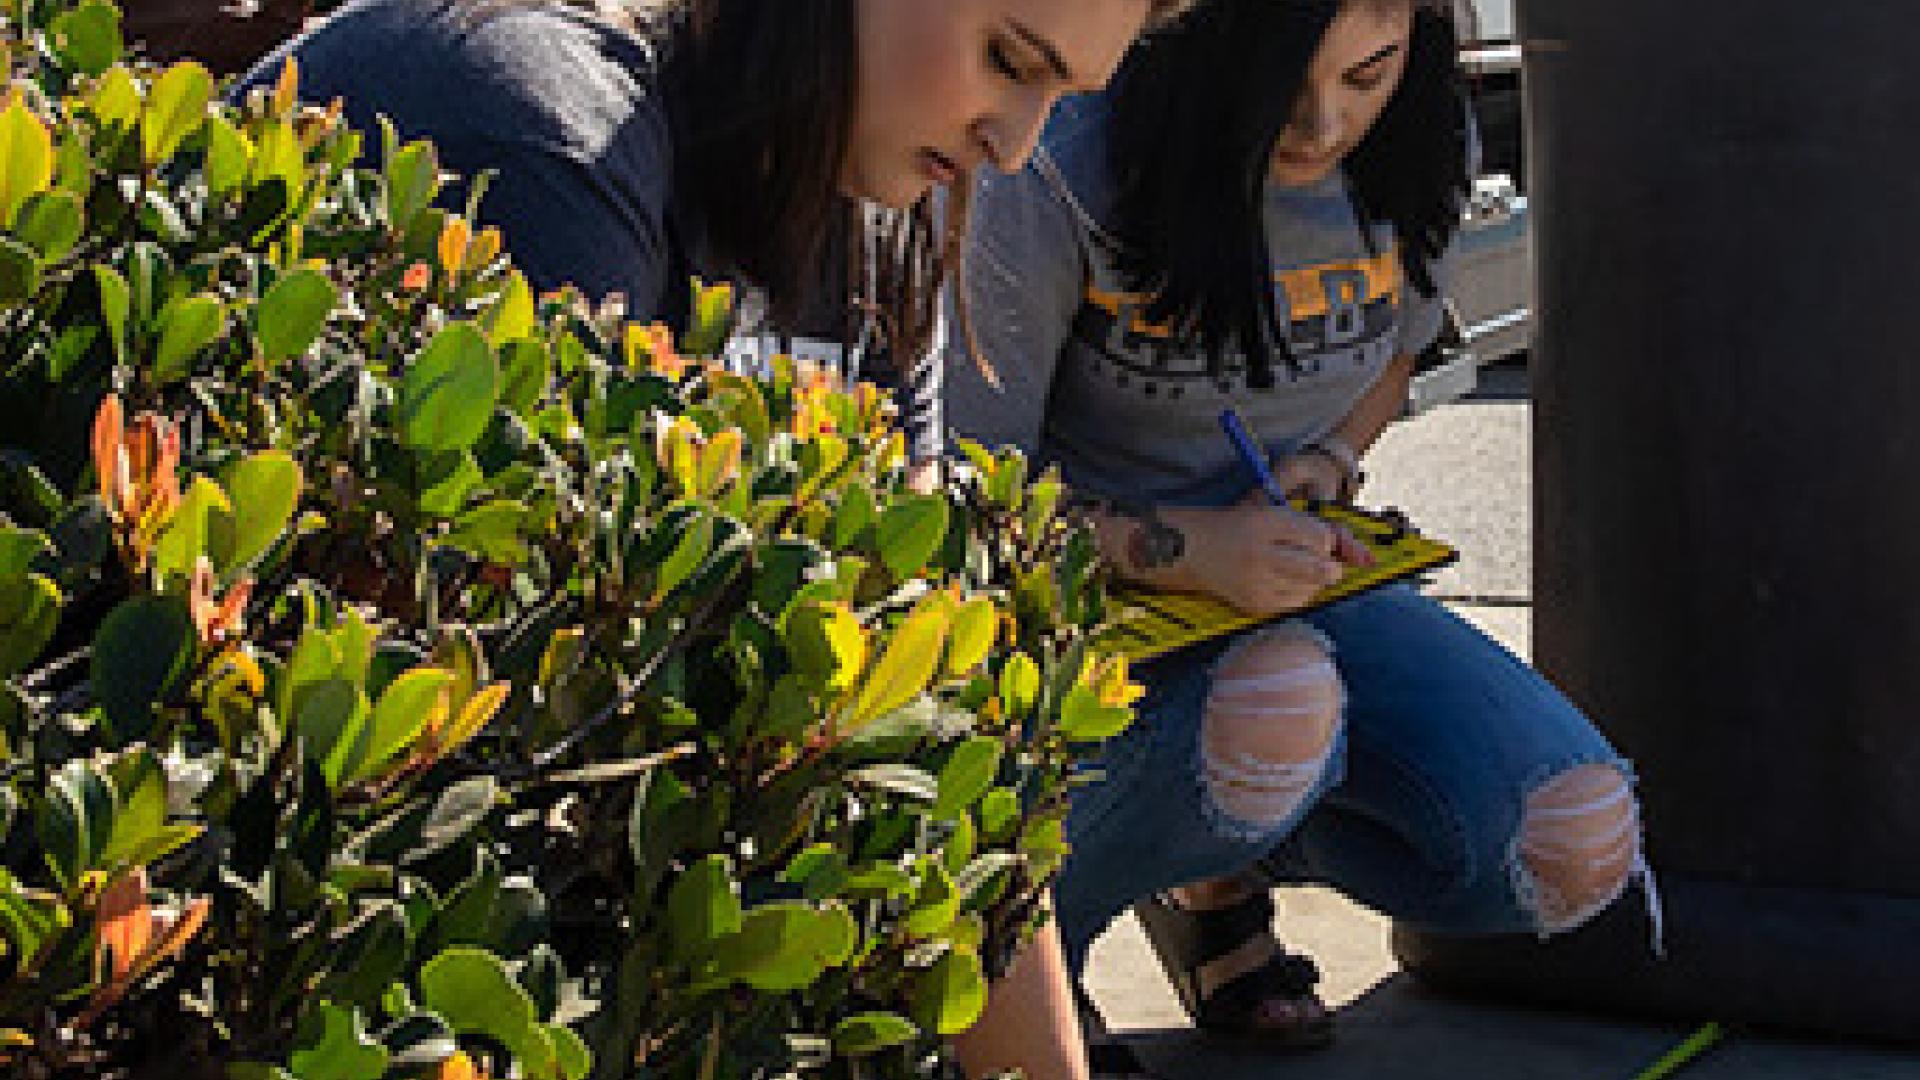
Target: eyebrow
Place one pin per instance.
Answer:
(1385, 51)
(1048, 54)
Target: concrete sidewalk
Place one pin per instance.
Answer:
(1461, 472)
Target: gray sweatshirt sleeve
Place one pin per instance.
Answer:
(1024, 270)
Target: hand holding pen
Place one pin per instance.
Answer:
(1346, 548)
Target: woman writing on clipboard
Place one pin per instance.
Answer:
(1256, 216)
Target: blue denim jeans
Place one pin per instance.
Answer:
(1417, 814)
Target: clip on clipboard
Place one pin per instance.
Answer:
(1151, 623)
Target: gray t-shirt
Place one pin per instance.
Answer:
(1087, 384)
(568, 109)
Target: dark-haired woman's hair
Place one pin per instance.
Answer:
(1197, 111)
(762, 100)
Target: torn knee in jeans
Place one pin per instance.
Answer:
(1272, 712)
(1579, 845)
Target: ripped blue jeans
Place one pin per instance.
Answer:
(1457, 791)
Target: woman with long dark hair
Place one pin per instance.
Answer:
(1257, 216)
(792, 147)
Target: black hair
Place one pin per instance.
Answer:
(1197, 111)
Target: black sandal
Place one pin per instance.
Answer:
(1187, 940)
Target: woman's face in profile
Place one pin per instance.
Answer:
(948, 85)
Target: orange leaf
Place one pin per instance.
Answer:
(457, 1067)
(175, 933)
(417, 277)
(109, 434)
(453, 244)
(125, 926)
(286, 89)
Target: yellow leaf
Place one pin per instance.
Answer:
(474, 715)
(904, 670)
(486, 246)
(719, 461)
(26, 159)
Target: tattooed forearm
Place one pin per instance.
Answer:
(1148, 543)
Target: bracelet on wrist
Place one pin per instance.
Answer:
(1344, 459)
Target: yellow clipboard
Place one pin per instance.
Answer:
(1149, 624)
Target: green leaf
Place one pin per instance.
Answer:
(413, 179)
(332, 721)
(141, 651)
(293, 313)
(116, 302)
(339, 1049)
(25, 924)
(570, 1052)
(871, 1032)
(29, 614)
(702, 907)
(51, 223)
(176, 107)
(1019, 686)
(188, 325)
(975, 624)
(999, 812)
(26, 159)
(448, 392)
(526, 372)
(786, 946)
(75, 821)
(277, 156)
(20, 549)
(20, 271)
(826, 642)
(948, 997)
(904, 670)
(87, 38)
(936, 905)
(512, 316)
(1083, 717)
(402, 713)
(229, 157)
(116, 101)
(203, 524)
(264, 489)
(690, 550)
(444, 481)
(910, 531)
(493, 531)
(140, 789)
(471, 989)
(372, 955)
(967, 776)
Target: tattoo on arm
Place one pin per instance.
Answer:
(1151, 544)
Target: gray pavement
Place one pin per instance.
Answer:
(1462, 472)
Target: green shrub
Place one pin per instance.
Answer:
(406, 675)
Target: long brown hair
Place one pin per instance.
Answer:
(761, 100)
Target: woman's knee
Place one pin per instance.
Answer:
(1268, 730)
(1579, 845)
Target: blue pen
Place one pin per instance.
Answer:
(1252, 455)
